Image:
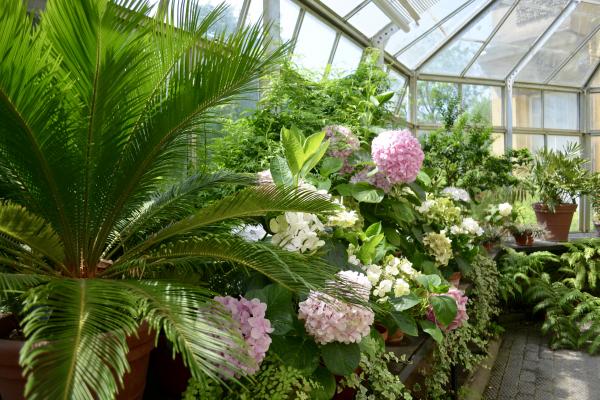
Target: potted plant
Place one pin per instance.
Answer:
(559, 178)
(525, 234)
(97, 105)
(492, 235)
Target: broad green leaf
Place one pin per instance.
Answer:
(373, 229)
(385, 97)
(341, 359)
(405, 302)
(293, 149)
(297, 352)
(367, 251)
(430, 328)
(330, 166)
(366, 193)
(327, 381)
(313, 143)
(344, 189)
(429, 281)
(312, 160)
(444, 308)
(280, 171)
(424, 178)
(279, 306)
(406, 323)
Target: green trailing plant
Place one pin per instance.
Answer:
(581, 264)
(517, 269)
(96, 106)
(561, 176)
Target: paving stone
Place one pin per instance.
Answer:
(530, 365)
(543, 395)
(526, 387)
(527, 376)
(532, 355)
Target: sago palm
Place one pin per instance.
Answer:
(97, 102)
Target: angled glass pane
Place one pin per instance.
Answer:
(525, 24)
(456, 55)
(559, 142)
(595, 111)
(397, 84)
(581, 66)
(255, 11)
(429, 18)
(485, 101)
(533, 143)
(429, 94)
(595, 82)
(288, 14)
(307, 55)
(342, 7)
(422, 48)
(369, 20)
(561, 110)
(346, 58)
(527, 108)
(569, 35)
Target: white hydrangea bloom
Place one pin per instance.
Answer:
(252, 233)
(343, 219)
(471, 226)
(373, 273)
(407, 269)
(297, 231)
(457, 194)
(384, 287)
(457, 230)
(401, 287)
(505, 209)
(425, 206)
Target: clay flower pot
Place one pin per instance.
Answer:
(557, 222)
(523, 239)
(12, 381)
(383, 331)
(396, 338)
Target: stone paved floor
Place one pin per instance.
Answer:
(526, 368)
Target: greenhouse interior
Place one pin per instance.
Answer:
(300, 199)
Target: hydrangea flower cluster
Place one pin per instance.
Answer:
(461, 310)
(297, 231)
(440, 210)
(439, 246)
(328, 319)
(505, 209)
(398, 155)
(468, 226)
(457, 194)
(253, 326)
(378, 179)
(342, 143)
(250, 232)
(394, 276)
(343, 219)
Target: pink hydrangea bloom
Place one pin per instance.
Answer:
(378, 179)
(253, 326)
(398, 156)
(330, 320)
(342, 143)
(461, 310)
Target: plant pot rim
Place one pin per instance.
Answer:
(559, 208)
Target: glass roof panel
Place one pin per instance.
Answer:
(288, 14)
(420, 49)
(457, 54)
(429, 18)
(571, 33)
(346, 58)
(525, 24)
(342, 7)
(581, 66)
(369, 20)
(306, 54)
(596, 80)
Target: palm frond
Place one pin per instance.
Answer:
(76, 330)
(19, 283)
(251, 202)
(200, 330)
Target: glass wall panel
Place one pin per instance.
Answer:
(255, 11)
(533, 143)
(288, 13)
(455, 56)
(559, 143)
(346, 58)
(570, 34)
(581, 66)
(595, 80)
(527, 108)
(369, 20)
(561, 110)
(342, 7)
(421, 49)
(485, 101)
(230, 16)
(429, 18)
(595, 111)
(498, 144)
(428, 93)
(525, 24)
(306, 53)
(596, 153)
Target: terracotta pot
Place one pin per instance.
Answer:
(530, 240)
(557, 222)
(597, 226)
(12, 382)
(396, 338)
(454, 279)
(521, 238)
(167, 376)
(383, 331)
(489, 246)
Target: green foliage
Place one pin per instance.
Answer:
(582, 264)
(460, 155)
(562, 176)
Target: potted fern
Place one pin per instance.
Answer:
(560, 178)
(97, 105)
